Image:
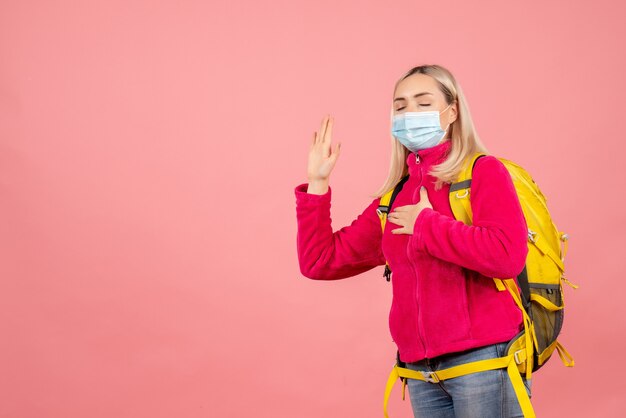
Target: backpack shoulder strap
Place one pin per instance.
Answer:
(459, 194)
(387, 200)
(383, 209)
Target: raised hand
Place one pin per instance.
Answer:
(322, 157)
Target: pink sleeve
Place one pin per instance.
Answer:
(495, 244)
(327, 255)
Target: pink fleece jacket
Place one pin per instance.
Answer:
(444, 298)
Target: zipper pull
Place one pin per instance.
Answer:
(417, 158)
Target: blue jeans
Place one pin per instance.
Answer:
(487, 394)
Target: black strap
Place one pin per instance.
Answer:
(477, 158)
(387, 209)
(522, 280)
(400, 363)
(396, 190)
(465, 184)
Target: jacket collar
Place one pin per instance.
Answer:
(429, 156)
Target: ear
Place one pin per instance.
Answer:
(454, 111)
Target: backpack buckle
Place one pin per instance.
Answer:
(430, 377)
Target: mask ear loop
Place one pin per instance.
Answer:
(445, 131)
(445, 109)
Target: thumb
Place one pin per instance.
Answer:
(423, 193)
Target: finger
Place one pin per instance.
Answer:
(397, 221)
(327, 152)
(333, 155)
(323, 128)
(336, 152)
(328, 134)
(318, 138)
(323, 138)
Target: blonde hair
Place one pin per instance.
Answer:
(465, 140)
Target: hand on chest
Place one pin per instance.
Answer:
(404, 211)
(438, 199)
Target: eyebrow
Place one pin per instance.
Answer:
(415, 95)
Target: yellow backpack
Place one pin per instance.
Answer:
(541, 297)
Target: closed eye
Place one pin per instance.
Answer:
(400, 108)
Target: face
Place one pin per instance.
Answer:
(420, 93)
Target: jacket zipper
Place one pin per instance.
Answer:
(418, 319)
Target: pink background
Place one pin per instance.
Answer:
(148, 155)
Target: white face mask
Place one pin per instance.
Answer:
(418, 130)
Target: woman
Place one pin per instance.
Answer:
(446, 309)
